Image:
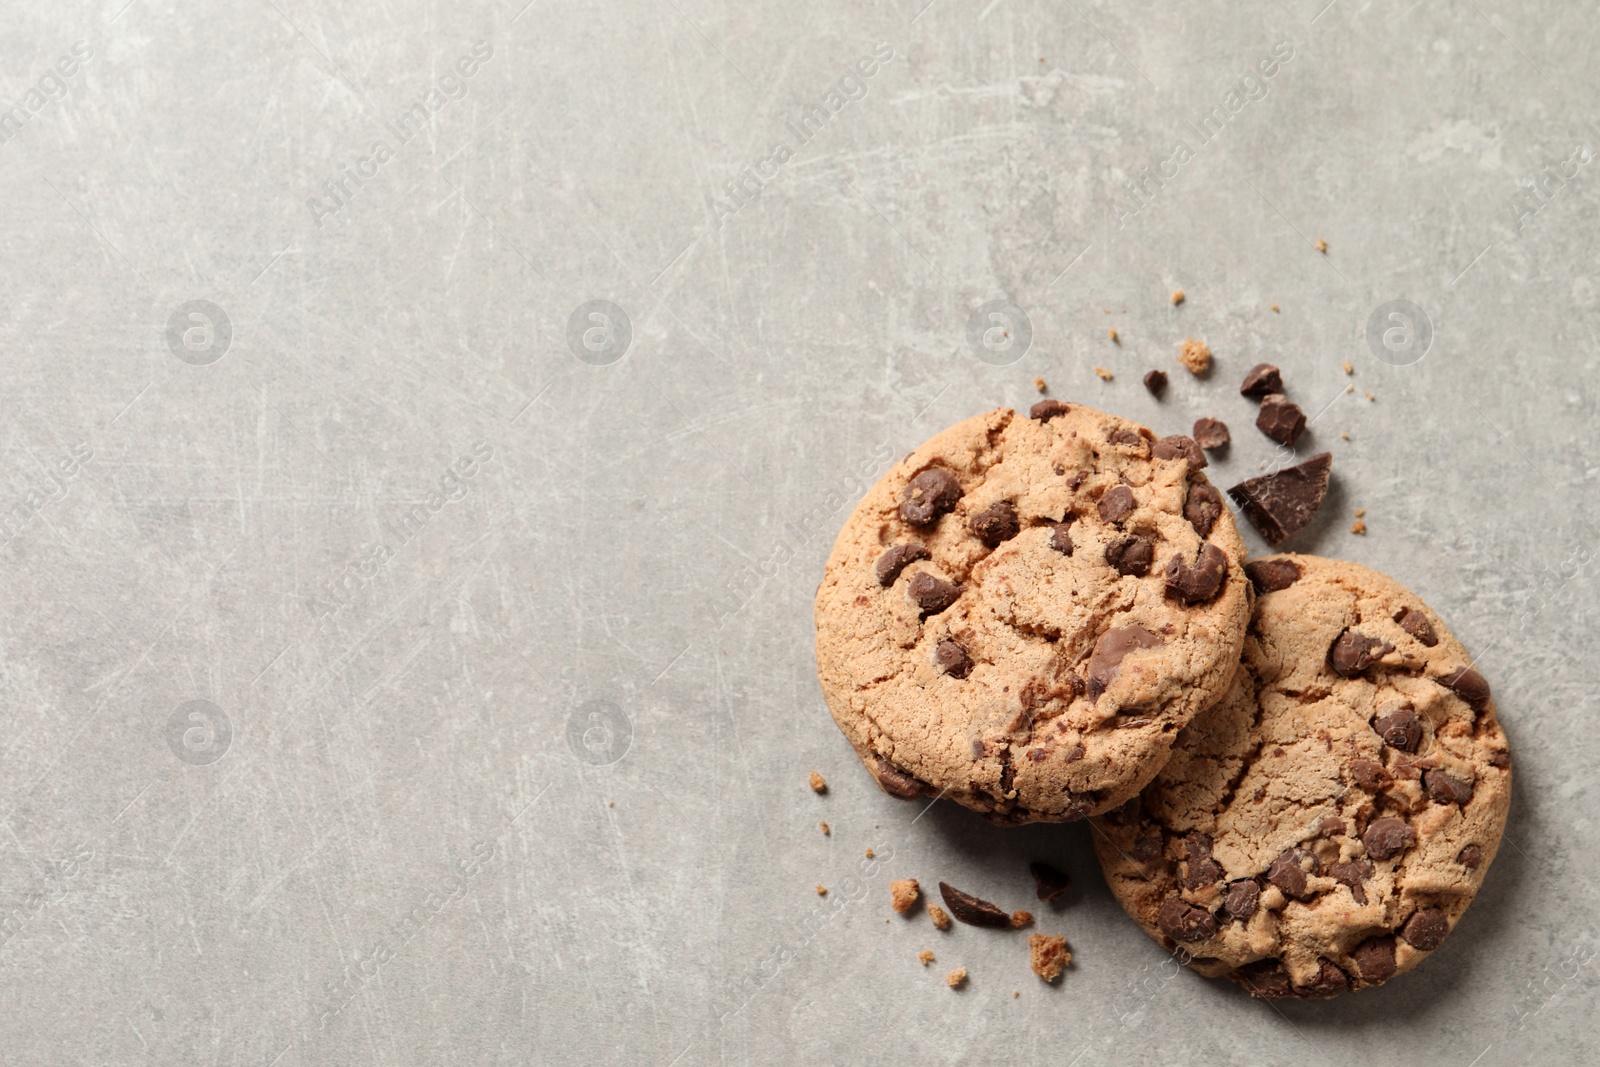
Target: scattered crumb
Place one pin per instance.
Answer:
(903, 895)
(1274, 307)
(1104, 374)
(1358, 527)
(825, 829)
(611, 803)
(1113, 335)
(1020, 918)
(1038, 383)
(1195, 356)
(1015, 993)
(1361, 513)
(1349, 388)
(1369, 394)
(817, 784)
(1322, 246)
(956, 978)
(1349, 368)
(1048, 955)
(822, 890)
(926, 956)
(1106, 310)
(1177, 296)
(871, 854)
(940, 919)
(1344, 436)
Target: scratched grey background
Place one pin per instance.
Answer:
(319, 749)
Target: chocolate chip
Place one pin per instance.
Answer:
(1048, 882)
(1388, 837)
(1446, 788)
(1400, 728)
(1202, 506)
(1329, 981)
(1470, 857)
(1261, 380)
(929, 495)
(972, 911)
(1281, 419)
(1374, 958)
(1369, 775)
(1061, 538)
(1352, 874)
(1501, 760)
(1266, 979)
(1202, 869)
(1203, 581)
(1271, 575)
(932, 594)
(892, 562)
(1131, 555)
(1178, 446)
(1426, 929)
(1076, 481)
(1242, 900)
(1130, 438)
(897, 783)
(995, 524)
(1183, 921)
(1469, 685)
(1330, 825)
(1211, 434)
(1417, 625)
(1288, 872)
(1352, 653)
(953, 659)
(1280, 504)
(1045, 410)
(1114, 645)
(1116, 505)
(1156, 382)
(1147, 847)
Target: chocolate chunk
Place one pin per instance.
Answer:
(1147, 847)
(1426, 929)
(1281, 419)
(892, 562)
(1374, 958)
(1114, 645)
(1469, 685)
(1368, 774)
(1261, 380)
(1202, 869)
(1156, 382)
(1061, 538)
(995, 524)
(1183, 921)
(929, 495)
(1352, 874)
(1329, 981)
(1279, 505)
(1202, 506)
(953, 659)
(1131, 555)
(1116, 505)
(1417, 625)
(1266, 979)
(1500, 759)
(1201, 582)
(972, 911)
(897, 783)
(1288, 872)
(1388, 837)
(1400, 728)
(1045, 410)
(932, 594)
(1446, 788)
(1130, 438)
(1470, 857)
(1076, 481)
(1271, 575)
(1352, 652)
(1211, 434)
(1049, 883)
(1178, 446)
(1330, 826)
(1243, 897)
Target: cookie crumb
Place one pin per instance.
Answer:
(1048, 955)
(956, 978)
(903, 895)
(1113, 335)
(1020, 918)
(1195, 356)
(926, 956)
(1369, 395)
(822, 890)
(1322, 246)
(818, 786)
(940, 919)
(1349, 388)
(1358, 527)
(1038, 383)
(1105, 375)
(1344, 437)
(1349, 368)
(1015, 993)
(1274, 307)
(825, 829)
(1177, 297)
(1361, 513)
(611, 803)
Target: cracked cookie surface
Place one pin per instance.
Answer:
(1023, 613)
(1324, 827)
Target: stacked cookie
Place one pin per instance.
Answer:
(1295, 776)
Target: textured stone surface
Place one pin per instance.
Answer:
(616, 607)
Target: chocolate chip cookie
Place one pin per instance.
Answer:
(1023, 613)
(1323, 827)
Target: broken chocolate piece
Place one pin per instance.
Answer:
(1211, 434)
(1375, 958)
(1400, 728)
(1156, 382)
(1202, 506)
(1131, 555)
(1446, 788)
(1417, 625)
(1242, 899)
(1261, 380)
(953, 659)
(1281, 419)
(1183, 921)
(1201, 582)
(1280, 504)
(1426, 929)
(932, 594)
(1469, 685)
(1049, 882)
(1352, 875)
(1388, 837)
(971, 910)
(1116, 505)
(1061, 538)
(895, 782)
(1271, 575)
(929, 495)
(1289, 873)
(1177, 446)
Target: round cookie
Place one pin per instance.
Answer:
(1023, 613)
(1324, 826)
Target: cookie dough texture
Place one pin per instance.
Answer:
(1324, 827)
(1020, 617)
